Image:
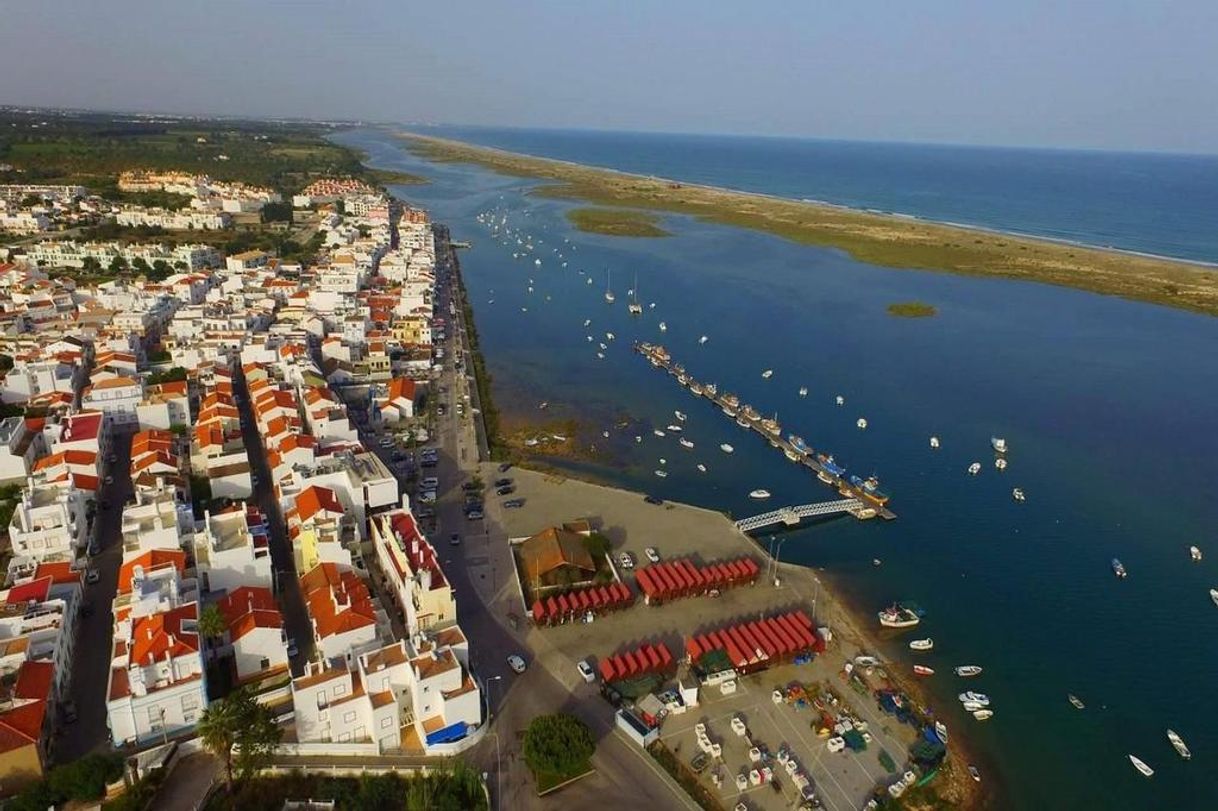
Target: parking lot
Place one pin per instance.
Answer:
(841, 780)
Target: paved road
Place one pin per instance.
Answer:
(291, 600)
(92, 655)
(187, 784)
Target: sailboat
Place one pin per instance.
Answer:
(634, 307)
(609, 297)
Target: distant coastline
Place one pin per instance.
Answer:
(880, 238)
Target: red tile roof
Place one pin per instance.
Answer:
(160, 635)
(337, 601)
(151, 560)
(314, 499)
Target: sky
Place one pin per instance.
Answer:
(1108, 74)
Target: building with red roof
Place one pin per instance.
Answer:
(340, 607)
(255, 635)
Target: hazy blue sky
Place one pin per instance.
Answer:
(1135, 74)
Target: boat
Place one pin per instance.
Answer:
(771, 426)
(798, 445)
(866, 661)
(609, 297)
(967, 671)
(934, 442)
(841, 400)
(1118, 568)
(674, 428)
(701, 468)
(726, 448)
(634, 308)
(1178, 743)
(696, 389)
(1000, 463)
(544, 405)
(760, 494)
(803, 391)
(600, 355)
(871, 489)
(975, 698)
(877, 562)
(922, 644)
(829, 466)
(898, 617)
(983, 714)
(941, 730)
(662, 474)
(1018, 495)
(1214, 595)
(1141, 766)
(972, 706)
(703, 339)
(711, 389)
(974, 773)
(1075, 701)
(791, 455)
(974, 468)
(609, 336)
(767, 374)
(663, 327)
(999, 444)
(679, 416)
(658, 432)
(1195, 553)
(861, 423)
(638, 438)
(605, 434)
(685, 443)
(923, 670)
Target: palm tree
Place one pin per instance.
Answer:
(212, 623)
(218, 728)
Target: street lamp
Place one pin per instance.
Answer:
(777, 554)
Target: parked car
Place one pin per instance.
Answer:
(505, 491)
(427, 497)
(455, 538)
(474, 515)
(513, 504)
(430, 483)
(626, 561)
(293, 651)
(502, 482)
(425, 512)
(586, 671)
(505, 467)
(652, 554)
(109, 480)
(516, 663)
(653, 499)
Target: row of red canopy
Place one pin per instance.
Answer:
(752, 642)
(596, 599)
(642, 660)
(680, 578)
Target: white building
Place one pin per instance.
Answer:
(119, 398)
(48, 524)
(255, 635)
(186, 219)
(232, 550)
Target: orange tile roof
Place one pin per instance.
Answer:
(59, 572)
(160, 635)
(314, 499)
(337, 601)
(151, 560)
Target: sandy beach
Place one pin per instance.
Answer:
(880, 239)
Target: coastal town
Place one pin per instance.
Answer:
(244, 479)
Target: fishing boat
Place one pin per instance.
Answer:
(923, 670)
(871, 489)
(771, 426)
(703, 339)
(934, 442)
(897, 617)
(798, 445)
(701, 468)
(967, 671)
(861, 423)
(1178, 743)
(711, 389)
(1018, 495)
(759, 494)
(1195, 553)
(1075, 701)
(767, 374)
(679, 415)
(609, 336)
(829, 466)
(658, 432)
(696, 389)
(674, 428)
(803, 391)
(974, 468)
(974, 773)
(726, 448)
(662, 474)
(999, 444)
(609, 297)
(1141, 766)
(922, 644)
(663, 327)
(941, 730)
(791, 455)
(983, 714)
(1000, 463)
(1118, 569)
(634, 308)
(685, 443)
(841, 401)
(975, 698)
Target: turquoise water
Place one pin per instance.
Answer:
(1106, 404)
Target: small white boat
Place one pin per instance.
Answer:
(803, 391)
(544, 405)
(1195, 553)
(587, 321)
(767, 374)
(663, 461)
(590, 339)
(663, 327)
(703, 339)
(999, 444)
(974, 773)
(759, 494)
(662, 474)
(685, 443)
(1018, 495)
(558, 437)
(600, 355)
(652, 306)
(975, 698)
(638, 438)
(1214, 595)
(983, 715)
(726, 448)
(861, 423)
(941, 731)
(972, 706)
(841, 401)
(701, 468)
(537, 262)
(658, 432)
(965, 671)
(603, 346)
(923, 670)
(922, 644)
(605, 434)
(679, 415)
(1075, 701)
(974, 468)
(1141, 766)
(1178, 743)
(1000, 463)
(675, 429)
(609, 336)
(934, 442)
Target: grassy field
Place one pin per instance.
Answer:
(873, 238)
(616, 222)
(912, 309)
(91, 149)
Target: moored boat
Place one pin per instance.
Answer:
(726, 448)
(840, 400)
(898, 617)
(771, 426)
(1118, 569)
(674, 428)
(974, 773)
(934, 442)
(861, 423)
(974, 698)
(974, 468)
(1178, 743)
(767, 374)
(1195, 553)
(679, 415)
(941, 730)
(685, 443)
(759, 494)
(798, 445)
(983, 714)
(999, 444)
(1075, 701)
(803, 391)
(922, 644)
(967, 671)
(1214, 595)
(662, 474)
(1141, 766)
(1018, 494)
(923, 670)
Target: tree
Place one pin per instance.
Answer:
(557, 744)
(91, 264)
(118, 264)
(277, 212)
(212, 623)
(140, 264)
(239, 721)
(597, 545)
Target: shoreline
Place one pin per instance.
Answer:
(883, 239)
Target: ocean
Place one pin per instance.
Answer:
(1107, 406)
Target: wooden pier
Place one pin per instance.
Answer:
(869, 501)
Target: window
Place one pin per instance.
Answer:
(386, 722)
(321, 698)
(190, 702)
(265, 663)
(348, 717)
(340, 689)
(344, 737)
